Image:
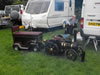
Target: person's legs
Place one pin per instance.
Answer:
(71, 29)
(68, 30)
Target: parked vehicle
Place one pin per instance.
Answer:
(2, 13)
(10, 8)
(90, 18)
(47, 13)
(58, 45)
(61, 45)
(4, 21)
(24, 40)
(14, 12)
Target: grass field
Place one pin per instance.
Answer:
(29, 63)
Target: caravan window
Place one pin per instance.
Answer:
(38, 6)
(59, 5)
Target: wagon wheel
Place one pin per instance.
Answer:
(16, 48)
(47, 47)
(51, 48)
(55, 49)
(41, 46)
(71, 54)
(81, 53)
(35, 48)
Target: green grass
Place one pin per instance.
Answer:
(29, 63)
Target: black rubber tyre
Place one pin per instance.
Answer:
(16, 48)
(41, 46)
(51, 48)
(14, 15)
(36, 49)
(71, 54)
(33, 47)
(30, 28)
(81, 53)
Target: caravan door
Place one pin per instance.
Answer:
(56, 13)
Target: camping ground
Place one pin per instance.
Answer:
(31, 63)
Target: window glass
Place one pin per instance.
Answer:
(59, 5)
(38, 6)
(15, 8)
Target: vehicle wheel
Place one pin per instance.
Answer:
(16, 48)
(14, 15)
(51, 48)
(71, 54)
(81, 53)
(35, 49)
(41, 46)
(30, 28)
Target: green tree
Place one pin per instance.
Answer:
(18, 2)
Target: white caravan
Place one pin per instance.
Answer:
(47, 13)
(90, 19)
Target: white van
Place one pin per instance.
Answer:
(90, 19)
(47, 13)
